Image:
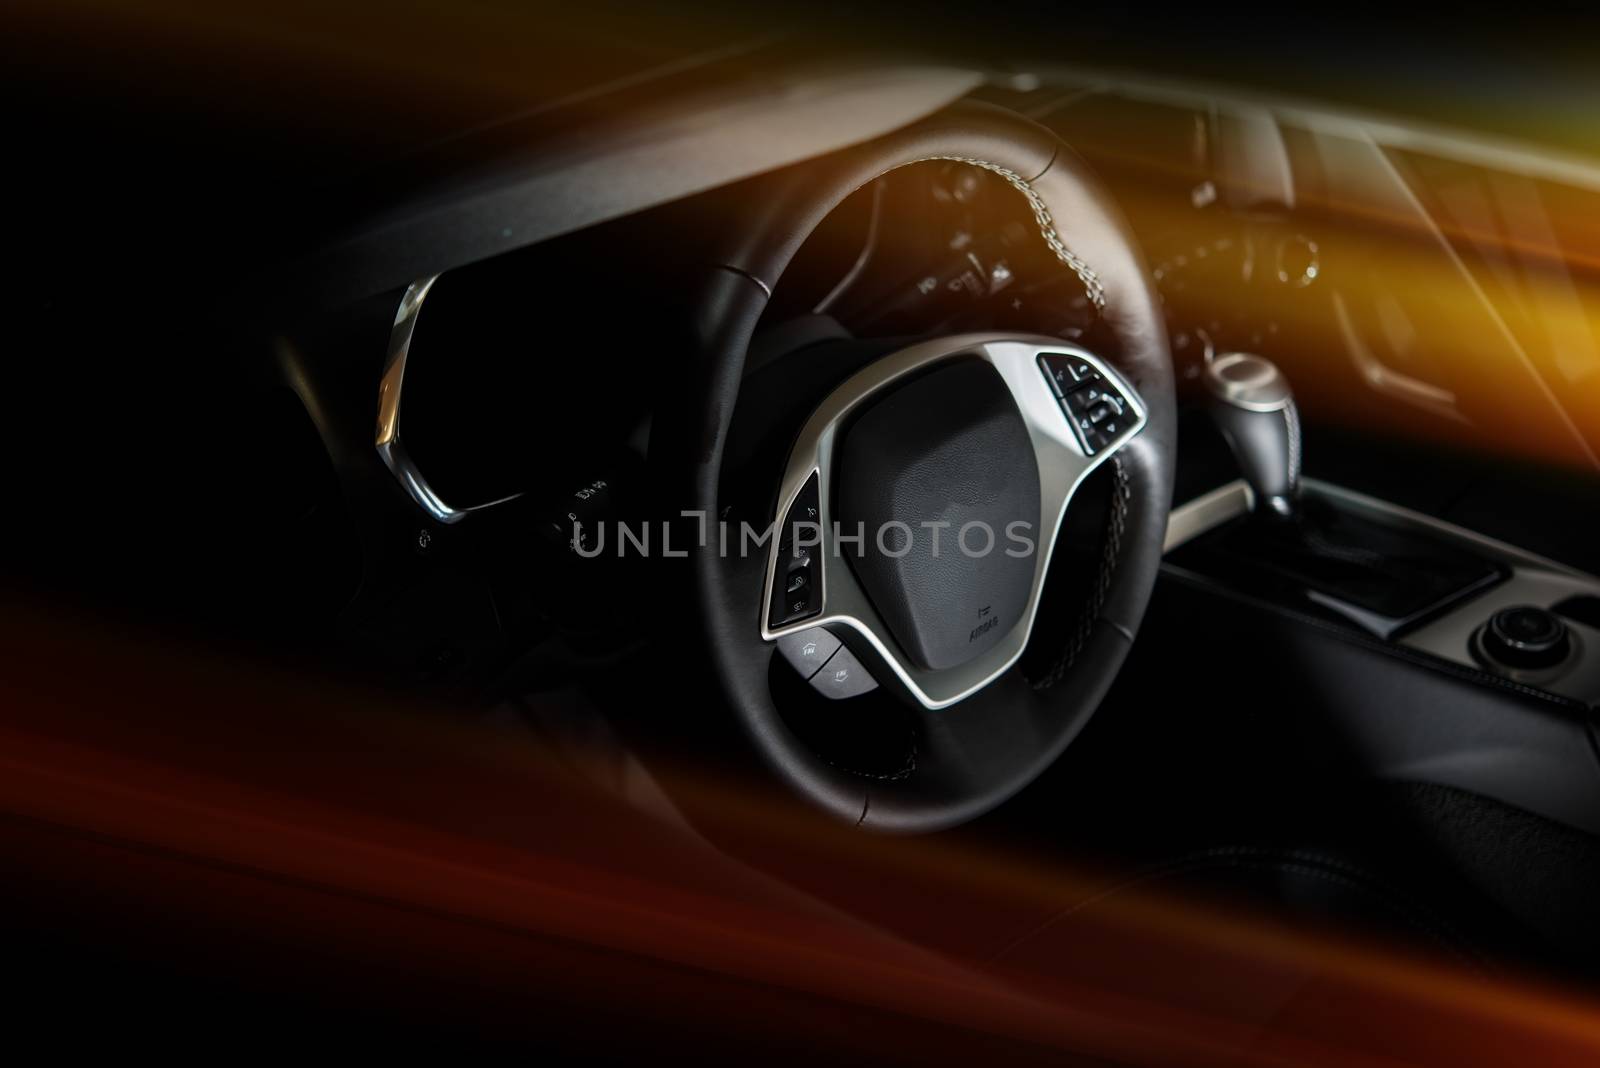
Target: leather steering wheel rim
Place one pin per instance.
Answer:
(975, 754)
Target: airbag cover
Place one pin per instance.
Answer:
(935, 474)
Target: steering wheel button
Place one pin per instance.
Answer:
(1056, 373)
(843, 676)
(802, 523)
(788, 607)
(1091, 437)
(808, 650)
(796, 593)
(1080, 401)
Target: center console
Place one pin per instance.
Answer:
(1392, 574)
(1402, 577)
(1428, 652)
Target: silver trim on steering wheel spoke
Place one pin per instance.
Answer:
(1063, 465)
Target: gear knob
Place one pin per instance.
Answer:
(1254, 408)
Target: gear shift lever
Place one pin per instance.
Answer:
(1317, 555)
(1254, 408)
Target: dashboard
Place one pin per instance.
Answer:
(532, 378)
(1244, 214)
(527, 386)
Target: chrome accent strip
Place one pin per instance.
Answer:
(1206, 512)
(1062, 469)
(766, 290)
(387, 441)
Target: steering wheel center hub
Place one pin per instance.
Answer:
(939, 480)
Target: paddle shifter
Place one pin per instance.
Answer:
(1254, 408)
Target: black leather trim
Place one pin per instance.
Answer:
(1361, 893)
(1402, 714)
(1418, 657)
(1094, 606)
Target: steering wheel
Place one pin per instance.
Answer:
(948, 436)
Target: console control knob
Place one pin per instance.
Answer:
(1525, 636)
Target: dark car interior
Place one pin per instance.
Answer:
(360, 389)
